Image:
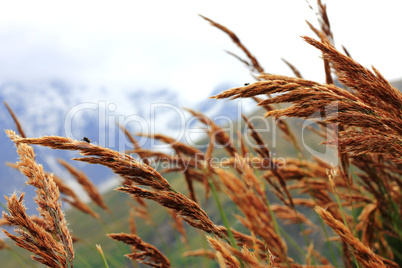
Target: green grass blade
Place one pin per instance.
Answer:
(224, 218)
(98, 247)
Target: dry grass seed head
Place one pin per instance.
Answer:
(33, 237)
(254, 63)
(48, 198)
(17, 123)
(210, 254)
(257, 217)
(121, 164)
(219, 246)
(146, 254)
(86, 183)
(184, 207)
(219, 135)
(362, 253)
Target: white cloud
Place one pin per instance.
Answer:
(165, 44)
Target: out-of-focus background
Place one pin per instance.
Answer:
(65, 65)
(76, 68)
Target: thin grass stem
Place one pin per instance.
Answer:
(224, 218)
(98, 247)
(338, 201)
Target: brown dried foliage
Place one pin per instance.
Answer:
(146, 253)
(88, 186)
(219, 246)
(219, 135)
(134, 172)
(17, 122)
(254, 207)
(185, 208)
(69, 195)
(364, 119)
(210, 254)
(380, 123)
(363, 254)
(47, 250)
(254, 63)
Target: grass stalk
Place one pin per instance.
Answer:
(99, 248)
(224, 218)
(278, 231)
(222, 213)
(182, 248)
(338, 201)
(205, 246)
(328, 242)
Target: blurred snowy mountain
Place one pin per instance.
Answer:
(58, 108)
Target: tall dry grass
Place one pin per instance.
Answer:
(360, 200)
(53, 245)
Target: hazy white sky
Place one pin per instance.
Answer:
(165, 44)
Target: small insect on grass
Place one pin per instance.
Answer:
(86, 140)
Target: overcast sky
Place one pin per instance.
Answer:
(165, 44)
